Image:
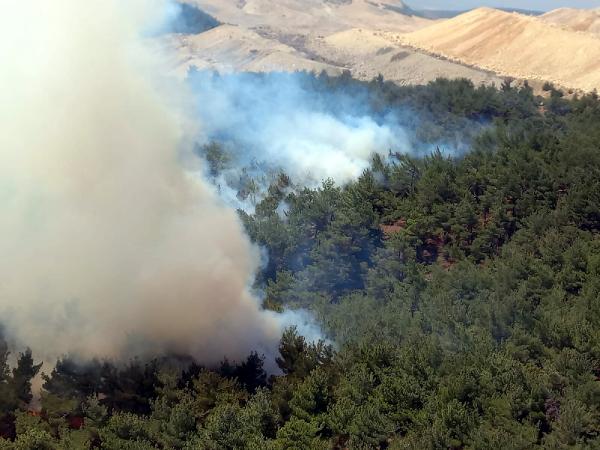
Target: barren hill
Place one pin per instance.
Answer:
(232, 48)
(331, 35)
(515, 45)
(587, 20)
(309, 16)
(369, 53)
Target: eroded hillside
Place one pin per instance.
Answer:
(331, 35)
(515, 45)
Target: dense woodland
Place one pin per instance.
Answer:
(459, 294)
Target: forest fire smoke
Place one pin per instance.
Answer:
(109, 248)
(278, 119)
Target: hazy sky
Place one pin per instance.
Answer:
(541, 5)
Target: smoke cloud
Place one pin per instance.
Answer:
(280, 121)
(109, 247)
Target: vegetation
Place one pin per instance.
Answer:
(191, 20)
(461, 292)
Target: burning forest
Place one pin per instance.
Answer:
(285, 260)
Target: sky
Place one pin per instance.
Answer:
(541, 5)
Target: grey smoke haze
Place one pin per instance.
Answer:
(106, 241)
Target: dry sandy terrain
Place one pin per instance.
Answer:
(575, 19)
(312, 16)
(331, 35)
(371, 37)
(232, 48)
(511, 44)
(368, 53)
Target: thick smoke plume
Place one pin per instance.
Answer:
(108, 247)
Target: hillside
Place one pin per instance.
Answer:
(331, 35)
(587, 20)
(314, 16)
(369, 53)
(515, 45)
(232, 48)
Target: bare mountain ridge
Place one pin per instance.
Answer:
(331, 35)
(585, 20)
(512, 44)
(314, 15)
(371, 37)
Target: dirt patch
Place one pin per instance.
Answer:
(399, 56)
(384, 51)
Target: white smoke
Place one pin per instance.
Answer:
(108, 246)
(280, 121)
